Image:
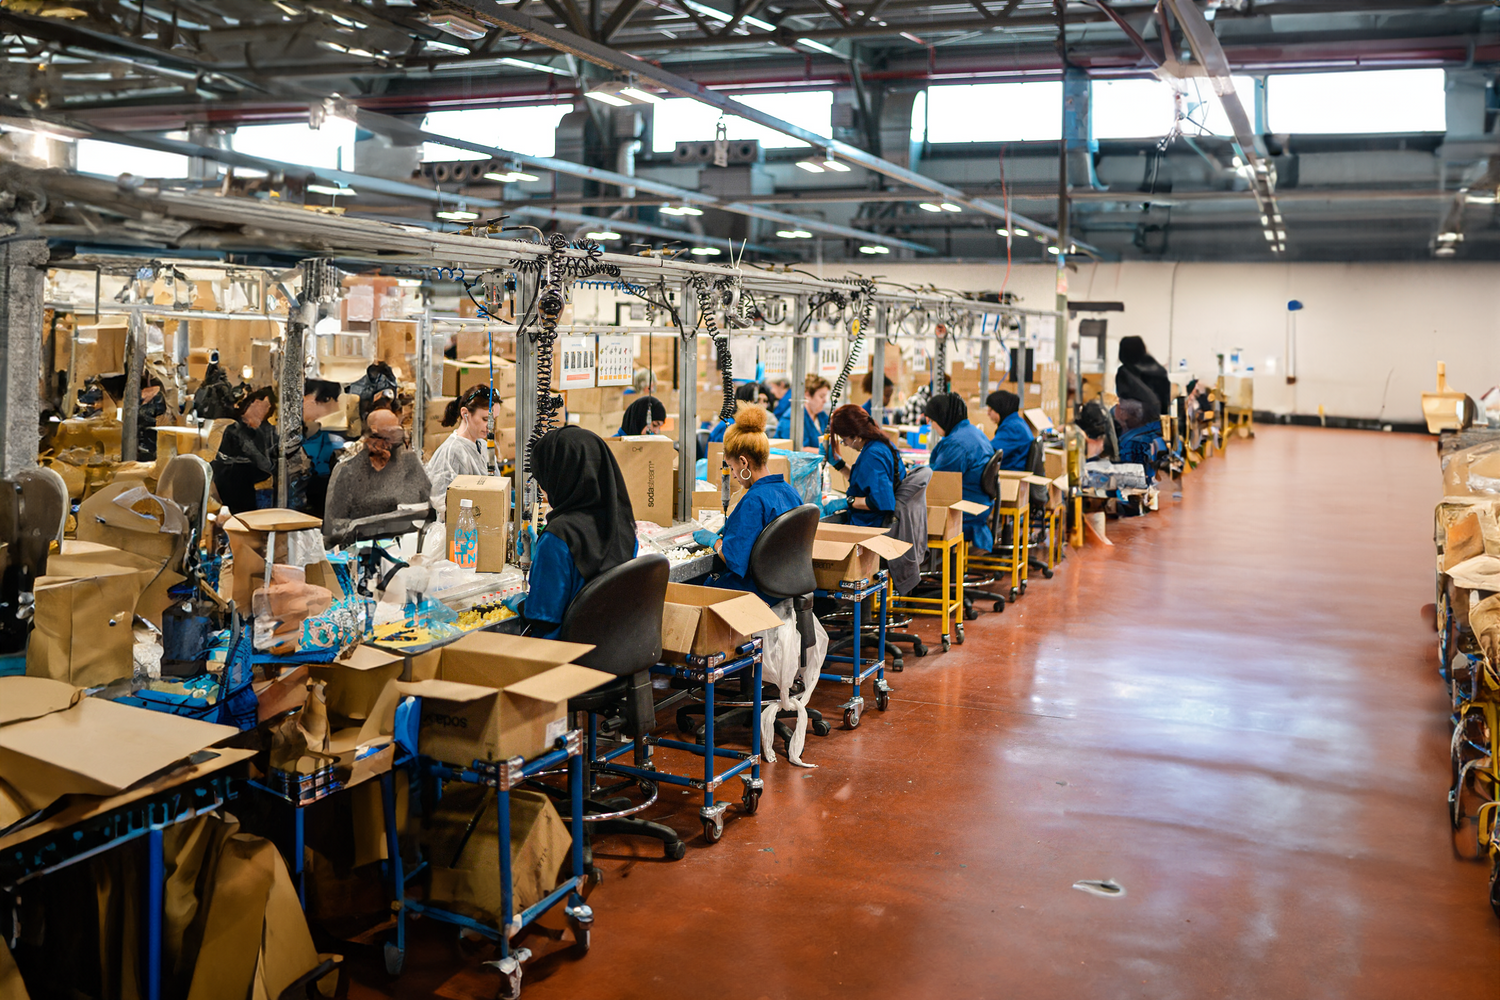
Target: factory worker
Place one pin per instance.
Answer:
(767, 496)
(1013, 437)
(462, 453)
(590, 530)
(750, 392)
(780, 389)
(885, 399)
(871, 496)
(815, 392)
(646, 415)
(247, 451)
(1136, 361)
(383, 477)
(962, 448)
(1140, 436)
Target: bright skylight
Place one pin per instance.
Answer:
(530, 131)
(1143, 109)
(111, 159)
(995, 112)
(330, 147)
(1387, 100)
(683, 120)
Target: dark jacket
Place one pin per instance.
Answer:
(1154, 377)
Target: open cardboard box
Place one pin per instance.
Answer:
(53, 743)
(701, 621)
(360, 694)
(843, 552)
(248, 533)
(946, 506)
(1038, 419)
(1013, 486)
(491, 696)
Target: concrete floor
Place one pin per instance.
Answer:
(1234, 713)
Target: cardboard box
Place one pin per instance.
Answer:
(946, 506)
(603, 424)
(459, 376)
(646, 464)
(844, 552)
(702, 621)
(101, 348)
(491, 696)
(491, 496)
(609, 399)
(1056, 462)
(1038, 419)
(1014, 487)
(248, 533)
(89, 747)
(83, 614)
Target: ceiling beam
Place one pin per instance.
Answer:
(564, 41)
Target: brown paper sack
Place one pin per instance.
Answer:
(83, 626)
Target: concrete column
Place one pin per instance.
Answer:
(22, 288)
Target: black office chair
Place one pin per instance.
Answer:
(619, 612)
(781, 568)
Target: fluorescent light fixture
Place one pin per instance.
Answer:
(723, 18)
(44, 129)
(706, 251)
(1002, 232)
(1020, 232)
(811, 166)
(640, 96)
(1053, 250)
(431, 44)
(928, 206)
(1444, 252)
(607, 97)
(455, 24)
(329, 189)
(603, 236)
(836, 166)
(510, 176)
(808, 43)
(794, 234)
(874, 249)
(667, 209)
(1265, 220)
(1281, 236)
(948, 206)
(1487, 197)
(458, 215)
(538, 67)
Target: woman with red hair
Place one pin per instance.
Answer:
(871, 495)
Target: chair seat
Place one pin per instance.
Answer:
(603, 696)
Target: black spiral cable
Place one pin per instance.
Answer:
(702, 286)
(865, 295)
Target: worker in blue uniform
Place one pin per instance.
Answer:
(590, 530)
(1013, 437)
(767, 496)
(646, 415)
(780, 388)
(814, 413)
(871, 496)
(885, 402)
(964, 449)
(750, 392)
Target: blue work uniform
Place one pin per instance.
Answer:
(783, 406)
(885, 414)
(767, 499)
(1142, 445)
(1013, 438)
(717, 434)
(811, 429)
(553, 584)
(966, 450)
(874, 476)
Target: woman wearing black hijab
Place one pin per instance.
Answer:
(1138, 368)
(591, 528)
(645, 416)
(964, 449)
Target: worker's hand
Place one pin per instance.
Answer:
(833, 446)
(705, 538)
(834, 506)
(515, 601)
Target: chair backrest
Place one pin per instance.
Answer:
(781, 558)
(989, 479)
(185, 480)
(619, 612)
(1037, 466)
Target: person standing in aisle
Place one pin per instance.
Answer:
(1137, 363)
(963, 449)
(464, 452)
(590, 530)
(871, 496)
(1013, 437)
(247, 451)
(767, 496)
(885, 399)
(814, 413)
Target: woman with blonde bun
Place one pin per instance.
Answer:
(767, 497)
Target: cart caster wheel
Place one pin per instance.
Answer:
(958, 635)
(581, 940)
(821, 728)
(919, 649)
(510, 988)
(1023, 586)
(675, 851)
(1000, 605)
(395, 958)
(947, 644)
(750, 802)
(595, 875)
(970, 614)
(1015, 592)
(713, 829)
(685, 724)
(851, 719)
(882, 700)
(898, 664)
(1047, 572)
(1455, 807)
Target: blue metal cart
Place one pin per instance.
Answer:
(502, 776)
(861, 668)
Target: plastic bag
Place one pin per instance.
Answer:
(781, 649)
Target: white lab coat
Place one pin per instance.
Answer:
(454, 457)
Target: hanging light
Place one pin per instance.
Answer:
(811, 166)
(620, 94)
(794, 234)
(603, 236)
(332, 191)
(948, 206)
(458, 215)
(874, 249)
(928, 206)
(706, 251)
(834, 166)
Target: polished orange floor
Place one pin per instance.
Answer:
(1233, 713)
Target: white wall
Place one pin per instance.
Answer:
(1362, 325)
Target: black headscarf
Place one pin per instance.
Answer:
(1003, 403)
(590, 507)
(947, 410)
(642, 413)
(1133, 350)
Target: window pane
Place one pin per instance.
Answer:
(683, 120)
(1205, 110)
(530, 131)
(111, 159)
(1389, 100)
(1130, 109)
(995, 112)
(330, 147)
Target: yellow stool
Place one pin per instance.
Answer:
(949, 604)
(1010, 563)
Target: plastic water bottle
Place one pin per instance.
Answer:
(466, 536)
